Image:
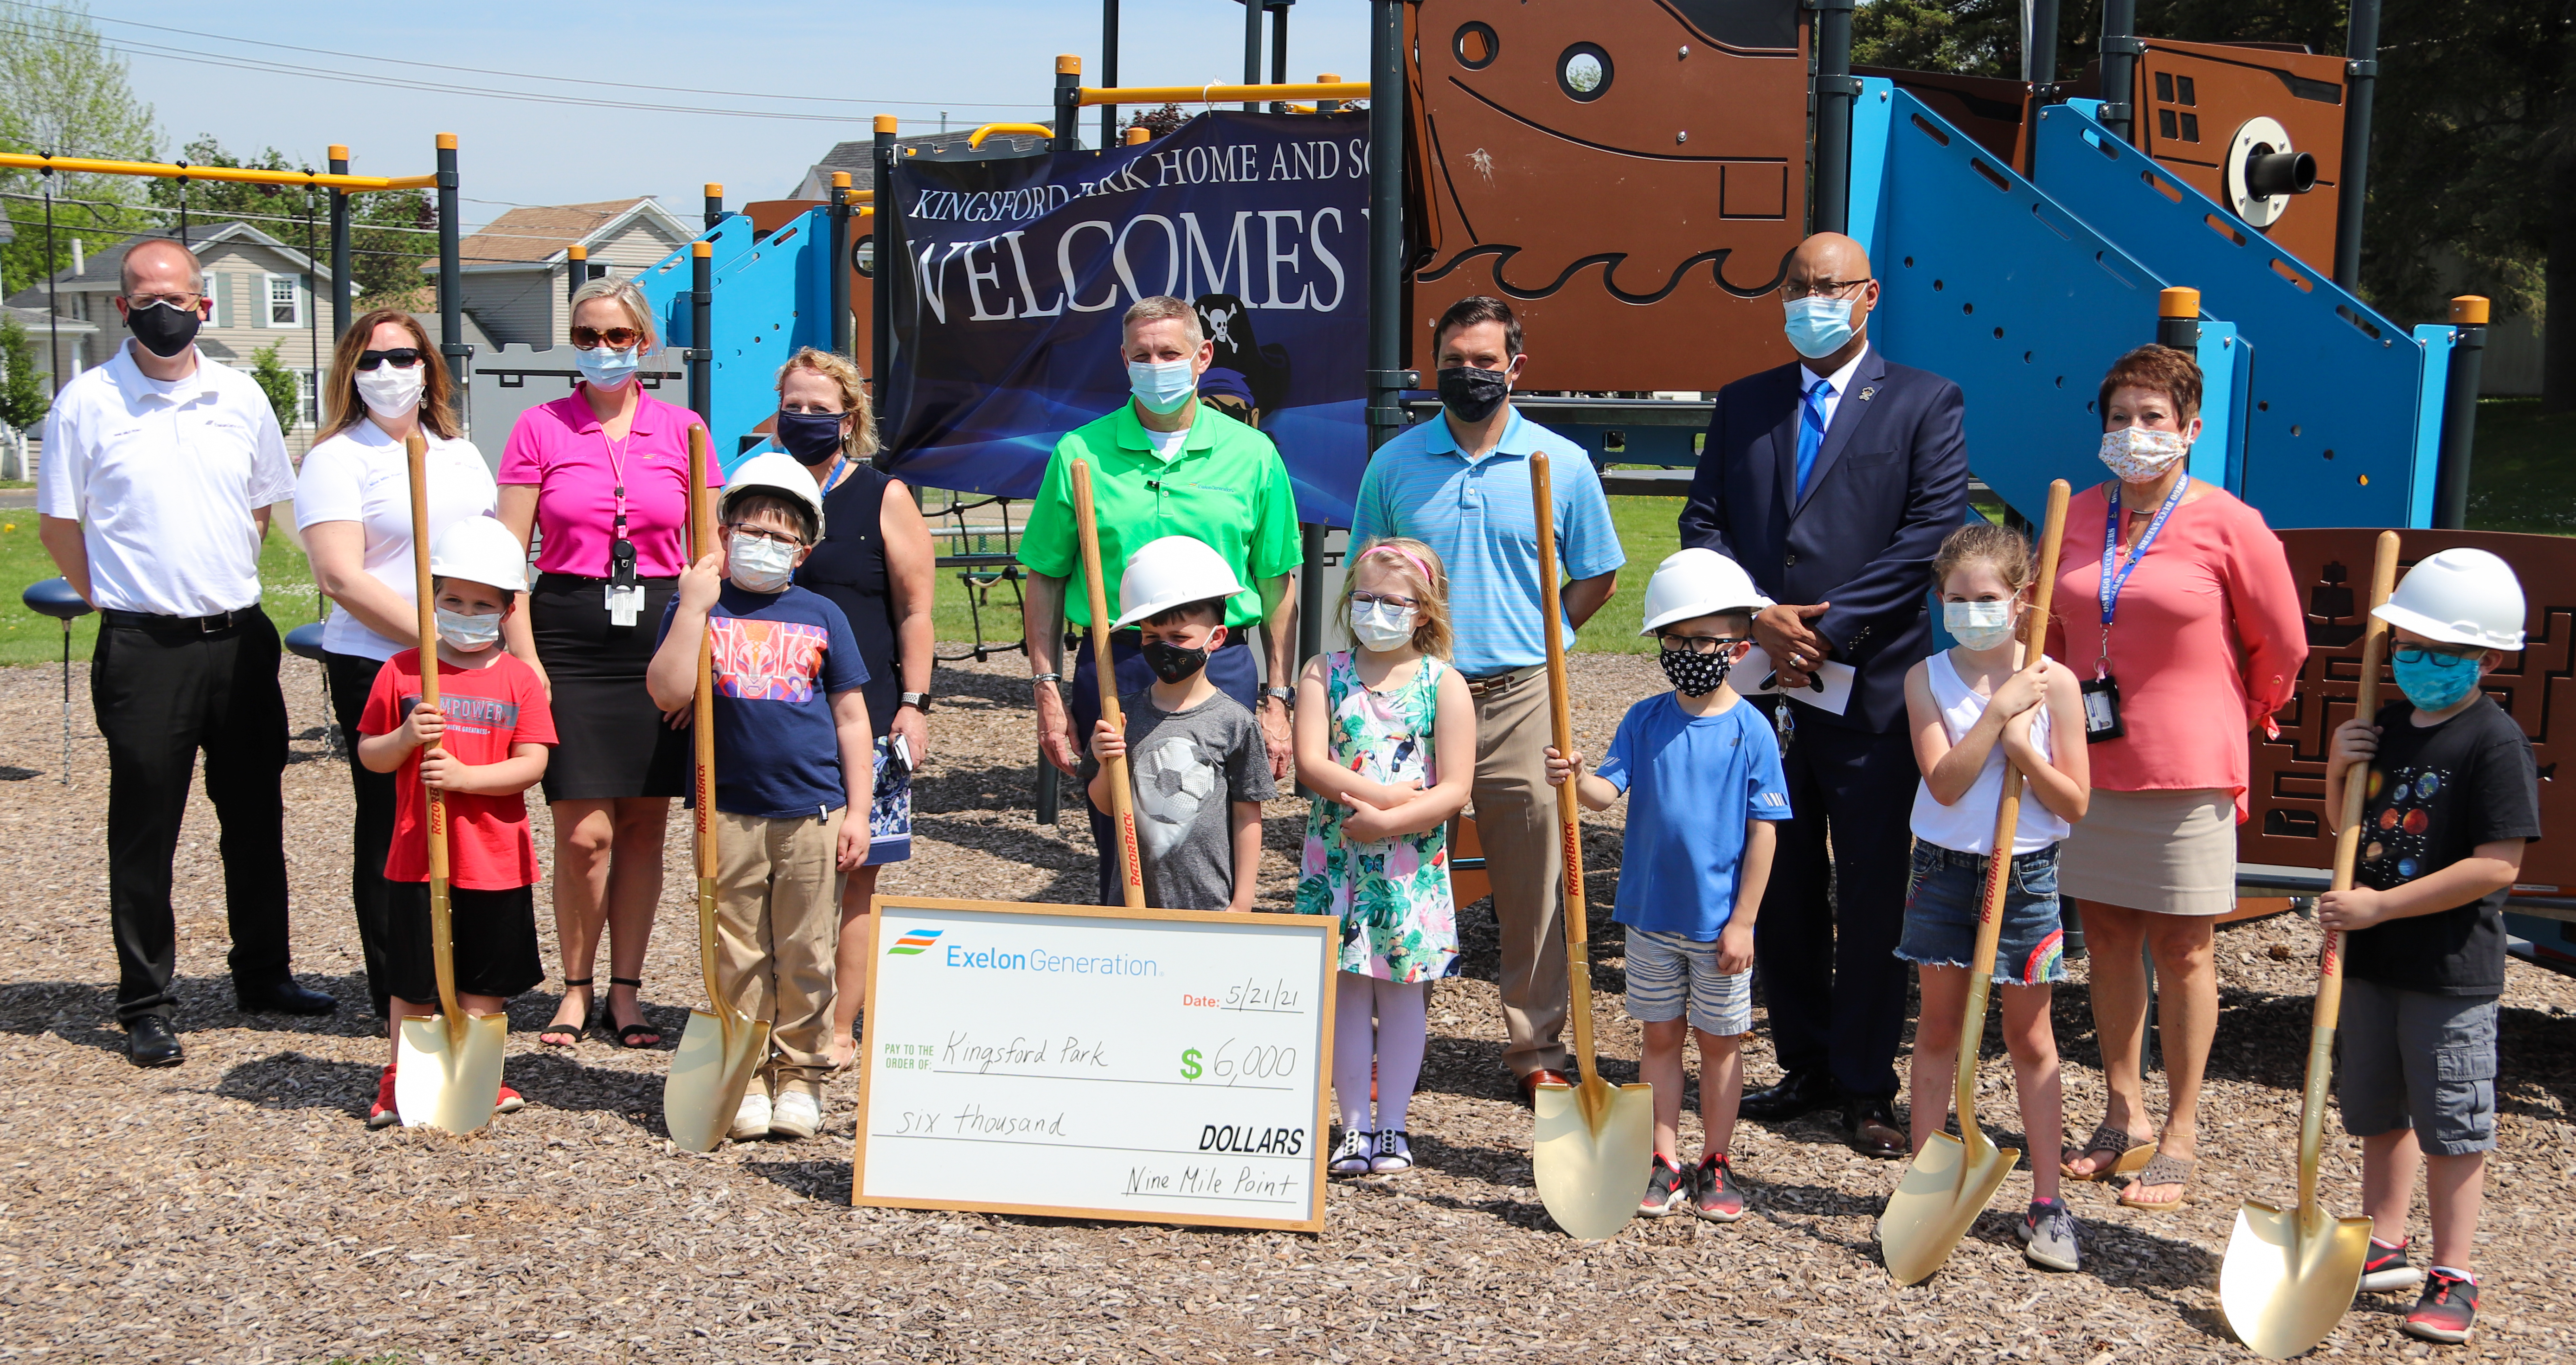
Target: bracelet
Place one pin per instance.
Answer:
(1046, 678)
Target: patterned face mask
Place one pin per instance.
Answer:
(2140, 454)
(1696, 675)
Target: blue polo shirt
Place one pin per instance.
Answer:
(1476, 514)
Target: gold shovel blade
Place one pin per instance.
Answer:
(441, 1083)
(708, 1078)
(2284, 1287)
(1936, 1203)
(1591, 1168)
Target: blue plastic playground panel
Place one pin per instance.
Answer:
(2335, 431)
(2225, 364)
(2437, 340)
(1988, 282)
(771, 297)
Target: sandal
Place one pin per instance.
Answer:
(628, 1034)
(2128, 1154)
(2160, 1170)
(569, 1034)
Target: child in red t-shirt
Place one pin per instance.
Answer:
(487, 747)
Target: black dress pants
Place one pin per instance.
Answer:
(353, 676)
(1826, 941)
(161, 693)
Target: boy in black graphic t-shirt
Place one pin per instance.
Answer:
(2452, 799)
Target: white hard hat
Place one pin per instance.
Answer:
(2459, 596)
(481, 550)
(1696, 582)
(775, 471)
(1171, 572)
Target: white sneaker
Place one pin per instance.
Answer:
(795, 1115)
(752, 1119)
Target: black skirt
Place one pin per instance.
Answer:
(494, 935)
(611, 741)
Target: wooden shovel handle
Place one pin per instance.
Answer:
(702, 539)
(441, 923)
(1122, 802)
(1569, 814)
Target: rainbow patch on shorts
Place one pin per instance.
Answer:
(2044, 959)
(914, 941)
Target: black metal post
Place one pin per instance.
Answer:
(2352, 181)
(344, 285)
(2120, 52)
(702, 350)
(1836, 89)
(1386, 256)
(183, 204)
(1109, 70)
(2460, 412)
(576, 269)
(842, 329)
(1251, 50)
(1068, 102)
(715, 209)
(451, 278)
(1279, 48)
(2178, 320)
(881, 298)
(2039, 47)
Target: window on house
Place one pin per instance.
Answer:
(309, 410)
(285, 302)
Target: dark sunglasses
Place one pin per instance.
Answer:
(618, 338)
(401, 357)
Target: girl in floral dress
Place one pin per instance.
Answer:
(1372, 725)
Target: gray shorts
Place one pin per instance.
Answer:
(1670, 976)
(2421, 1061)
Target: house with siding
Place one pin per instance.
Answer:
(516, 289)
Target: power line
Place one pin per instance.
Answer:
(212, 216)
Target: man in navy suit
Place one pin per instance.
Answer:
(1832, 482)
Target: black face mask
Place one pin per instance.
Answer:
(1471, 394)
(1173, 663)
(1696, 675)
(812, 437)
(163, 330)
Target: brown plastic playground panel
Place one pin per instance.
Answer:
(1638, 221)
(2332, 567)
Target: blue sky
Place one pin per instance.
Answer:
(981, 60)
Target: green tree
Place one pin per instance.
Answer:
(285, 391)
(64, 92)
(22, 389)
(391, 232)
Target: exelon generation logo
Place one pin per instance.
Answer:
(914, 941)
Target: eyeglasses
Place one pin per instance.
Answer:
(744, 528)
(618, 338)
(401, 358)
(185, 303)
(1371, 599)
(1699, 644)
(1832, 289)
(2440, 658)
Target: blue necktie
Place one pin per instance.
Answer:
(1811, 431)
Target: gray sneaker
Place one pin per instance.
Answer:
(2047, 1235)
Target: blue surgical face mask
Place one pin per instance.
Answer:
(2430, 685)
(1819, 326)
(607, 369)
(1978, 625)
(1162, 387)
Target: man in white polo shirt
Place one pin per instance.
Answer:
(159, 471)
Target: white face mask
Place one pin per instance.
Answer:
(468, 633)
(1381, 625)
(757, 565)
(1978, 625)
(391, 392)
(2142, 454)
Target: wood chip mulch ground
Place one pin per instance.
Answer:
(236, 1209)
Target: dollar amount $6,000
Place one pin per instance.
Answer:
(1228, 1066)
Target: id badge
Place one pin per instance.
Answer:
(2102, 710)
(624, 603)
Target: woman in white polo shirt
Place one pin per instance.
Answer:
(353, 508)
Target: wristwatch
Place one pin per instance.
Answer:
(1287, 696)
(918, 701)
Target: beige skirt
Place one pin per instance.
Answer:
(2173, 852)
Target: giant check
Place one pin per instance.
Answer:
(1155, 1065)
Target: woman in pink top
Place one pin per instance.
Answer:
(2204, 641)
(602, 476)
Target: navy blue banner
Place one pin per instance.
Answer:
(1007, 323)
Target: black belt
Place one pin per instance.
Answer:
(200, 625)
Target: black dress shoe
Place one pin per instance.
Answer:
(285, 997)
(1869, 1125)
(1799, 1092)
(149, 1042)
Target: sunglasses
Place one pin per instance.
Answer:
(618, 338)
(401, 358)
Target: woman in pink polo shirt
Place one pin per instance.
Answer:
(602, 476)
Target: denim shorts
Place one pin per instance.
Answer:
(1670, 976)
(2412, 1059)
(1941, 904)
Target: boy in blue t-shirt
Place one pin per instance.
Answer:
(1692, 875)
(793, 753)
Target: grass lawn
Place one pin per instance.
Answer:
(26, 638)
(2522, 476)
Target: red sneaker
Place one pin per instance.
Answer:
(511, 1102)
(383, 1115)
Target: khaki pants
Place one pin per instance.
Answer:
(778, 917)
(1515, 812)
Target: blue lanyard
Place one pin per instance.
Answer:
(838, 474)
(2112, 583)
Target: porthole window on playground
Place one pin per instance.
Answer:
(1475, 45)
(1584, 72)
(863, 256)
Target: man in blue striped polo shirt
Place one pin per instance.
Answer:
(1462, 486)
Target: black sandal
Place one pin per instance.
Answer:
(628, 1033)
(574, 1029)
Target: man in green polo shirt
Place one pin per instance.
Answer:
(1164, 464)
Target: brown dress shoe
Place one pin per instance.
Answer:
(1530, 1083)
(1869, 1125)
